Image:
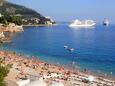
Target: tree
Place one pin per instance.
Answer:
(3, 20)
(6, 19)
(3, 73)
(16, 19)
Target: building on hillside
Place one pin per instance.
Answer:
(49, 21)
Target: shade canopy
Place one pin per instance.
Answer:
(91, 78)
(23, 82)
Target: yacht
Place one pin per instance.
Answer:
(65, 46)
(70, 49)
(83, 23)
(106, 22)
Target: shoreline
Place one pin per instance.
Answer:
(94, 72)
(36, 63)
(39, 25)
(11, 28)
(16, 28)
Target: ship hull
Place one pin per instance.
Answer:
(85, 25)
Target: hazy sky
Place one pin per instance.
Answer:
(67, 10)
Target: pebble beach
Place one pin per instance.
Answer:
(33, 69)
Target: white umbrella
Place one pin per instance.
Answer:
(23, 82)
(56, 84)
(91, 78)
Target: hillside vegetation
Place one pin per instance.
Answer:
(10, 8)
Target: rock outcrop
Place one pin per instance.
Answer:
(11, 28)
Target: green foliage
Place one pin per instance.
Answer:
(2, 84)
(6, 19)
(3, 20)
(3, 73)
(11, 9)
(25, 13)
(16, 19)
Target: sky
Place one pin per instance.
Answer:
(67, 10)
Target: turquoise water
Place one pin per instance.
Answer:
(94, 47)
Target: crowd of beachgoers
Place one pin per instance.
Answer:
(24, 68)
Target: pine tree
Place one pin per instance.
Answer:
(3, 73)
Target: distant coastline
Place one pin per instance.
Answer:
(13, 17)
(41, 25)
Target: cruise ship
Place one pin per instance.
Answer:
(83, 23)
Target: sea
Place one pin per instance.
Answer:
(94, 47)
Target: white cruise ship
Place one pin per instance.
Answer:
(83, 23)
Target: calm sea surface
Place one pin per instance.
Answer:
(94, 47)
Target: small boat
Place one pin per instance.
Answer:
(70, 49)
(65, 46)
(106, 22)
(83, 23)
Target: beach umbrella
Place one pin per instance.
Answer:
(56, 84)
(37, 83)
(23, 82)
(91, 78)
